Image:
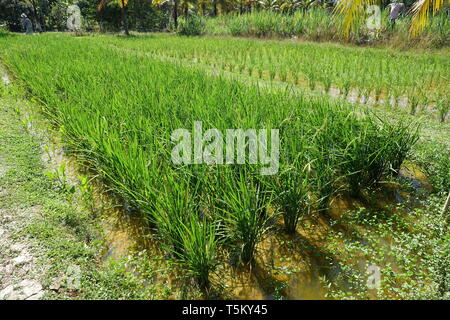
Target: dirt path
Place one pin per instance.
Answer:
(19, 274)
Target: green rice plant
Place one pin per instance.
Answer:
(378, 91)
(244, 213)
(311, 81)
(364, 159)
(396, 93)
(326, 83)
(186, 233)
(272, 74)
(283, 75)
(414, 100)
(295, 77)
(292, 196)
(250, 70)
(198, 238)
(401, 136)
(324, 180)
(260, 72)
(173, 210)
(346, 86)
(443, 107)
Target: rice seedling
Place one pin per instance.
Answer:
(272, 74)
(311, 81)
(250, 70)
(413, 98)
(295, 77)
(260, 72)
(292, 196)
(337, 66)
(245, 214)
(283, 75)
(326, 83)
(443, 107)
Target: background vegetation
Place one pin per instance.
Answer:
(312, 20)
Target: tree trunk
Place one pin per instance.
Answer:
(241, 7)
(175, 14)
(125, 18)
(215, 8)
(203, 6)
(186, 10)
(37, 20)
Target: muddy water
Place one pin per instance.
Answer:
(292, 267)
(125, 232)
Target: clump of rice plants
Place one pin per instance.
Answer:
(245, 214)
(198, 238)
(401, 137)
(292, 196)
(186, 233)
(364, 159)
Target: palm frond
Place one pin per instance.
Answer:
(103, 3)
(421, 11)
(351, 10)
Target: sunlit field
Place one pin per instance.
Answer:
(404, 80)
(360, 180)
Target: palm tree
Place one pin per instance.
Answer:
(269, 5)
(186, 5)
(123, 4)
(351, 10)
(202, 4)
(224, 6)
(175, 4)
(421, 10)
(290, 6)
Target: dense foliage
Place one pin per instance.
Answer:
(313, 20)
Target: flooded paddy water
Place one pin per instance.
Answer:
(298, 266)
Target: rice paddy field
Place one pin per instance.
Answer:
(416, 82)
(362, 172)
